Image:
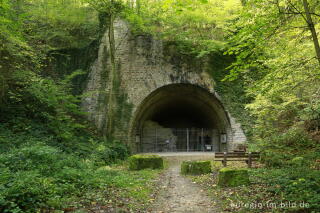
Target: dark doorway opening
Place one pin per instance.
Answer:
(180, 117)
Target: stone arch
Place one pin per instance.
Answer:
(181, 105)
(148, 69)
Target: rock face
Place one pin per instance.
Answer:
(149, 72)
(233, 177)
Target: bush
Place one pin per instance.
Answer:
(294, 184)
(110, 153)
(195, 167)
(45, 159)
(25, 191)
(34, 174)
(138, 162)
(279, 150)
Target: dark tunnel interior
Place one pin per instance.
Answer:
(174, 112)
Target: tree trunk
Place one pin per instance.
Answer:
(111, 97)
(312, 29)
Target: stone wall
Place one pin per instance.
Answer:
(144, 64)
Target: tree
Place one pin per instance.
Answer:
(302, 8)
(274, 56)
(312, 28)
(112, 9)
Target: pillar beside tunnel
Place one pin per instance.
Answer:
(163, 97)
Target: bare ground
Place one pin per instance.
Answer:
(178, 193)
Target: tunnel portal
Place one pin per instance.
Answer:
(181, 117)
(161, 96)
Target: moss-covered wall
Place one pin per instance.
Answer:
(64, 62)
(232, 93)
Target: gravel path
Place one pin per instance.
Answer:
(180, 194)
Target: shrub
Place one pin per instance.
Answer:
(294, 184)
(281, 148)
(110, 153)
(35, 175)
(25, 191)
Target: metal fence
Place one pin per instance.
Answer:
(178, 140)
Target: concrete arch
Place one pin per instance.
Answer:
(180, 105)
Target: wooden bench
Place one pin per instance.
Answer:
(248, 157)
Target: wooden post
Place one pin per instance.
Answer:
(250, 160)
(224, 162)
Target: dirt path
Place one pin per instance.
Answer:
(180, 194)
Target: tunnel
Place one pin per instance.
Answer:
(180, 117)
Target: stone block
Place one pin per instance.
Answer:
(195, 167)
(139, 162)
(229, 177)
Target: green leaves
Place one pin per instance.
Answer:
(275, 59)
(56, 24)
(201, 25)
(114, 7)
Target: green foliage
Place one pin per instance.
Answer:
(113, 152)
(50, 157)
(60, 24)
(281, 148)
(233, 93)
(297, 185)
(109, 7)
(274, 60)
(37, 99)
(199, 25)
(269, 188)
(298, 161)
(36, 172)
(29, 30)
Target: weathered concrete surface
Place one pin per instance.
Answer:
(146, 65)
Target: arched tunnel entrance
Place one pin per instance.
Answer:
(181, 117)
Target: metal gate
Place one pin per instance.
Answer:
(178, 140)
